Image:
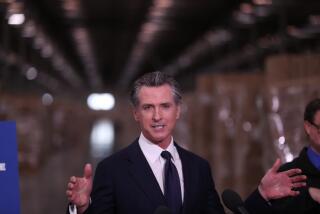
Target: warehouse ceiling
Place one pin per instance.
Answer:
(81, 46)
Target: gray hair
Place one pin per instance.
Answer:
(155, 79)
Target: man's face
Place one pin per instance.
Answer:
(313, 131)
(157, 113)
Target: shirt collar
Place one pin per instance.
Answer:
(153, 152)
(314, 157)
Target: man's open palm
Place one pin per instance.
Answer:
(276, 184)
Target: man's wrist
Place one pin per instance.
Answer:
(263, 195)
(262, 192)
(83, 208)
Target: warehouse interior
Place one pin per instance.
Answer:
(247, 69)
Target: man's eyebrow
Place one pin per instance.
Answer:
(147, 104)
(166, 103)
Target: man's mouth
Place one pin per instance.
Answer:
(158, 126)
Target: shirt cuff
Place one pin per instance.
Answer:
(72, 209)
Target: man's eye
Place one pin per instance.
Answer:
(146, 107)
(166, 106)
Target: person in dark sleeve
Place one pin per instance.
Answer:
(308, 201)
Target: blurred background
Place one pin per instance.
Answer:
(247, 69)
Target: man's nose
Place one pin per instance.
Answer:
(157, 114)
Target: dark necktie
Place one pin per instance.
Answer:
(172, 189)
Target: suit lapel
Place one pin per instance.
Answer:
(189, 178)
(143, 175)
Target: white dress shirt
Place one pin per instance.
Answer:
(152, 152)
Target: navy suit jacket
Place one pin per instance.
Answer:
(125, 184)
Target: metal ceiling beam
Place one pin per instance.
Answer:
(150, 30)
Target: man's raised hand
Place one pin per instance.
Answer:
(79, 189)
(275, 185)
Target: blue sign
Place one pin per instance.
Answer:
(9, 175)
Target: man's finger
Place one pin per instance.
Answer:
(276, 165)
(298, 178)
(294, 193)
(70, 186)
(70, 196)
(73, 179)
(292, 172)
(299, 184)
(87, 171)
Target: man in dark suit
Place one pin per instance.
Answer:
(134, 180)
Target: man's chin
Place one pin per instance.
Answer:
(158, 140)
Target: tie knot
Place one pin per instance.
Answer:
(166, 155)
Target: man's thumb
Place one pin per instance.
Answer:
(87, 171)
(276, 165)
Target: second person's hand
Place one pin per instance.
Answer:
(275, 185)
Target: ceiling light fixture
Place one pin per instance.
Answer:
(31, 73)
(16, 19)
(103, 101)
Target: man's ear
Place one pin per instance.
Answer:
(135, 114)
(306, 126)
(178, 111)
